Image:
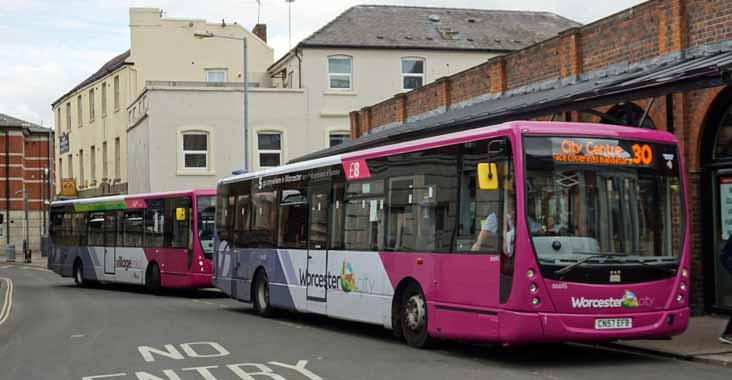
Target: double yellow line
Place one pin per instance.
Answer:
(7, 301)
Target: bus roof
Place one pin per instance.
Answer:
(515, 128)
(118, 198)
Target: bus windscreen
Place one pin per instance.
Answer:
(604, 202)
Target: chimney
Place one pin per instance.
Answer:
(260, 30)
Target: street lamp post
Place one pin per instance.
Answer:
(289, 21)
(245, 75)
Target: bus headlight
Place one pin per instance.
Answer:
(530, 273)
(533, 288)
(685, 272)
(200, 262)
(535, 301)
(680, 298)
(683, 285)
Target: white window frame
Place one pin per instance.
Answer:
(411, 75)
(349, 75)
(209, 152)
(259, 152)
(206, 72)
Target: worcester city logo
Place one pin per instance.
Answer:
(629, 300)
(348, 280)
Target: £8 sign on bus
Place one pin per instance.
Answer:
(356, 169)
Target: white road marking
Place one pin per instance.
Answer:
(8, 302)
(289, 324)
(76, 336)
(5, 266)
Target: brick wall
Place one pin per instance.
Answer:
(646, 31)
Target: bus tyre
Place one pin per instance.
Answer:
(152, 279)
(261, 295)
(79, 274)
(413, 317)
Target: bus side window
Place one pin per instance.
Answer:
(80, 228)
(176, 230)
(96, 233)
(422, 201)
(57, 221)
(364, 220)
(154, 223)
(131, 229)
(487, 216)
(293, 219)
(338, 213)
(110, 228)
(240, 215)
(264, 220)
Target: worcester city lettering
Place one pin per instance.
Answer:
(327, 281)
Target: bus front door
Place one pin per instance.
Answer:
(317, 265)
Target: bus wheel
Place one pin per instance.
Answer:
(414, 317)
(152, 279)
(79, 273)
(261, 295)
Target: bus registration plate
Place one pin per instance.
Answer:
(613, 323)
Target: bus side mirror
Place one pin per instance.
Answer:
(488, 176)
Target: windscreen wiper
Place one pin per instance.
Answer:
(671, 271)
(571, 267)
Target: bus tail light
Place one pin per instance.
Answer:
(680, 298)
(533, 288)
(535, 301)
(685, 272)
(683, 285)
(530, 273)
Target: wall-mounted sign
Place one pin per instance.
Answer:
(68, 187)
(725, 206)
(63, 143)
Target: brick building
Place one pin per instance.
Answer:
(24, 164)
(664, 64)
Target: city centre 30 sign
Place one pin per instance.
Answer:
(607, 152)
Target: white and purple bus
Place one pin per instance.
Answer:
(160, 240)
(516, 233)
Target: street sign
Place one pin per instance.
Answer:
(63, 143)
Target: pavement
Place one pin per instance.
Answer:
(699, 343)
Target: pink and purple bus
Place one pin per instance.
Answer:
(517, 233)
(160, 240)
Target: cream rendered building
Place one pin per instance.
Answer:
(365, 55)
(92, 119)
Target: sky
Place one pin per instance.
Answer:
(49, 46)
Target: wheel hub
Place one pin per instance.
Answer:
(414, 313)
